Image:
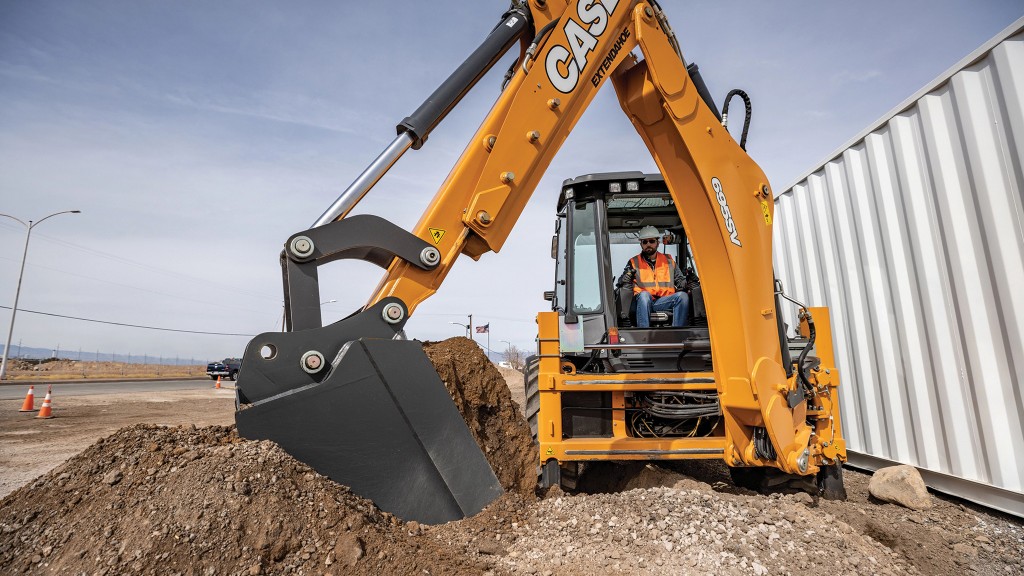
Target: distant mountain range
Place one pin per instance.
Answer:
(96, 356)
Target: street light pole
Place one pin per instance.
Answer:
(508, 354)
(466, 326)
(21, 273)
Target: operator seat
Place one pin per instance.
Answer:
(625, 307)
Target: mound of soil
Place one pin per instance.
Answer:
(483, 398)
(154, 500)
(158, 500)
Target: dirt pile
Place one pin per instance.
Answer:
(60, 370)
(483, 398)
(152, 500)
(157, 500)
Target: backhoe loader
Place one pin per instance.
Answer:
(361, 404)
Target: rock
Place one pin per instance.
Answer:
(803, 498)
(279, 550)
(902, 485)
(349, 549)
(112, 477)
(965, 550)
(490, 547)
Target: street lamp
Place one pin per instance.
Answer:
(508, 351)
(466, 326)
(17, 292)
(328, 302)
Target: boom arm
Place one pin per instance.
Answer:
(728, 212)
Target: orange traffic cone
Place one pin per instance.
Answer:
(47, 410)
(30, 401)
(218, 383)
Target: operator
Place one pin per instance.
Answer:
(658, 284)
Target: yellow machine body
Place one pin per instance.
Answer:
(725, 204)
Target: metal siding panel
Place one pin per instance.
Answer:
(1002, 266)
(928, 304)
(834, 296)
(806, 214)
(1008, 65)
(875, 297)
(913, 235)
(949, 180)
(798, 287)
(855, 426)
(783, 250)
(891, 283)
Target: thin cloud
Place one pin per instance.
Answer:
(846, 77)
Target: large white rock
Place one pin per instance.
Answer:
(902, 485)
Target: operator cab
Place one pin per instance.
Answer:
(597, 232)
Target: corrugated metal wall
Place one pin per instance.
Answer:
(913, 235)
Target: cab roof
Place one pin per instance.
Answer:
(589, 186)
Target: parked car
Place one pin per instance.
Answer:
(227, 368)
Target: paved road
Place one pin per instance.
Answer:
(12, 391)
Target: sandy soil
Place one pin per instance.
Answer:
(193, 498)
(31, 447)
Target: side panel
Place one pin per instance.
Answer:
(913, 235)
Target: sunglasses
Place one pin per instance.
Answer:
(649, 241)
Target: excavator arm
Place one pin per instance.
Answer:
(363, 406)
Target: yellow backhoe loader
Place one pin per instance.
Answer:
(361, 404)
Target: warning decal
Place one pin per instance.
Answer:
(436, 234)
(766, 212)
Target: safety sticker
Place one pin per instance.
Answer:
(436, 234)
(550, 451)
(767, 213)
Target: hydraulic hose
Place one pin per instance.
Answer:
(801, 369)
(746, 118)
(532, 49)
(805, 313)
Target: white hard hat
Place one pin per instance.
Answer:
(648, 232)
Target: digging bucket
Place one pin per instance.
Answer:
(382, 423)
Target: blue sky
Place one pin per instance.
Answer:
(196, 136)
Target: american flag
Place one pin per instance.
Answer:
(483, 329)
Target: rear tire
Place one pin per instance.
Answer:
(233, 376)
(749, 478)
(552, 473)
(531, 375)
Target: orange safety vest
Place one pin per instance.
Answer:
(659, 281)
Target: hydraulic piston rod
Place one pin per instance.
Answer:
(413, 130)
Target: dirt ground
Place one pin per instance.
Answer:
(54, 369)
(161, 484)
(31, 447)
